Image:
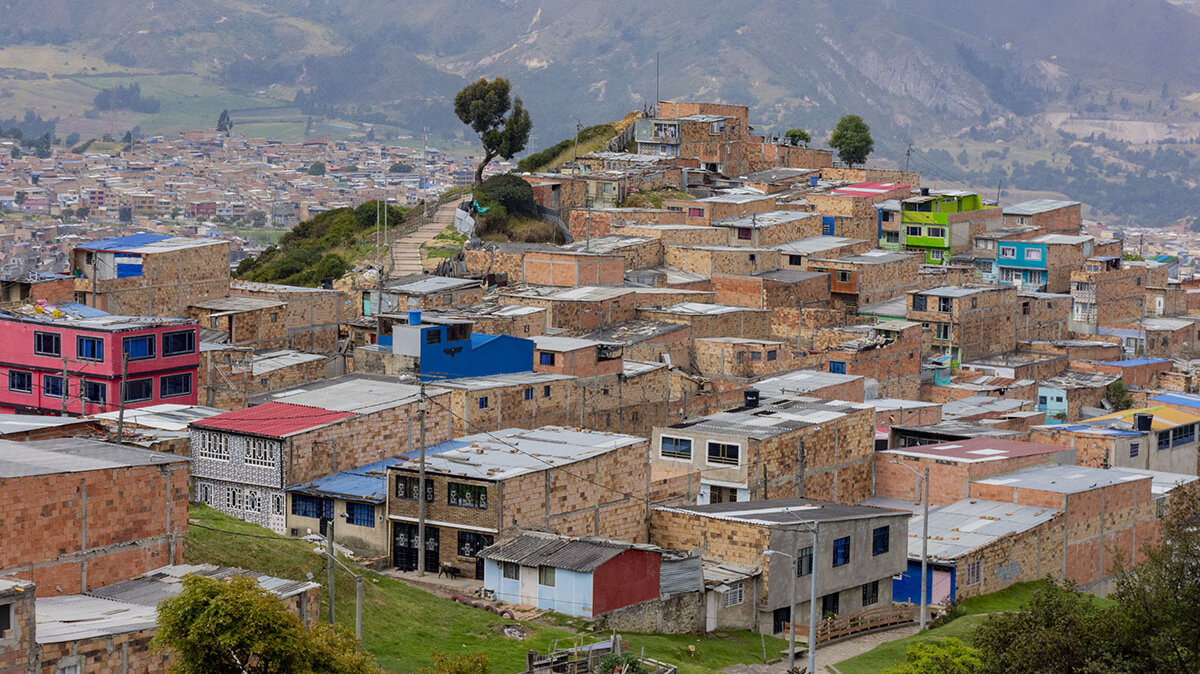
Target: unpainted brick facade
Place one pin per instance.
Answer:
(170, 281)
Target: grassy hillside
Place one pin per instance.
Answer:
(403, 625)
(323, 247)
(591, 139)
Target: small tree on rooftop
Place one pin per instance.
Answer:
(852, 139)
(1117, 394)
(798, 137)
(502, 123)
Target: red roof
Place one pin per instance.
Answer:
(979, 449)
(868, 189)
(274, 420)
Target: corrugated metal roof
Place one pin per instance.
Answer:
(123, 242)
(1182, 399)
(274, 420)
(73, 455)
(581, 555)
(150, 588)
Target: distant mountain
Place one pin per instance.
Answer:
(941, 73)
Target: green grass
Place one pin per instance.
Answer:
(401, 624)
(712, 653)
(892, 653)
(1013, 598)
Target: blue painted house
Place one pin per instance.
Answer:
(1041, 263)
(579, 577)
(447, 349)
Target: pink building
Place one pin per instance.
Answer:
(55, 362)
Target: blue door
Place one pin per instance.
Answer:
(827, 225)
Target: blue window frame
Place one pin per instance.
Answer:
(545, 358)
(483, 402)
(1182, 435)
(360, 514)
(837, 367)
(20, 382)
(89, 348)
(881, 539)
(304, 505)
(841, 551)
(174, 385)
(52, 386)
(139, 348)
(1164, 440)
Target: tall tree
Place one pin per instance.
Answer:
(852, 139)
(502, 123)
(224, 123)
(798, 137)
(233, 626)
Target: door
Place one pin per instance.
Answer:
(829, 604)
(404, 547)
(780, 618)
(485, 540)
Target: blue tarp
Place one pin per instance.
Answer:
(123, 242)
(366, 483)
(1134, 362)
(1177, 399)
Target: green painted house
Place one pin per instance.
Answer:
(927, 222)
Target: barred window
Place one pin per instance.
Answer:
(736, 594)
(260, 452)
(211, 446)
(360, 514)
(467, 495)
(974, 575)
(406, 488)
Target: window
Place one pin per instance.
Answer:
(204, 493)
(21, 382)
(95, 391)
(918, 303)
(470, 543)
(546, 576)
(89, 348)
(1034, 254)
(467, 495)
(304, 505)
(510, 570)
(406, 488)
(1008, 252)
(211, 446)
(483, 402)
(772, 355)
(137, 390)
(68, 668)
(804, 561)
(233, 498)
(139, 348)
(695, 213)
(755, 356)
(47, 344)
(942, 331)
(360, 514)
(936, 232)
(274, 317)
(277, 504)
(743, 233)
(174, 385)
(52, 386)
(433, 336)
(736, 594)
(912, 231)
(1133, 449)
(260, 452)
(1024, 308)
(724, 453)
(830, 604)
(741, 357)
(545, 358)
(945, 304)
(675, 448)
(843, 277)
(936, 254)
(719, 494)
(880, 540)
(837, 367)
(1164, 440)
(5, 619)
(796, 260)
(528, 393)
(841, 551)
(974, 575)
(1183, 435)
(546, 391)
(254, 501)
(870, 593)
(175, 343)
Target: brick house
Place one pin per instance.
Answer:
(714, 320)
(150, 274)
(516, 400)
(777, 289)
(481, 487)
(580, 309)
(80, 514)
(1051, 214)
(243, 460)
(572, 268)
(721, 259)
(422, 292)
(868, 278)
(967, 322)
(1121, 439)
(244, 320)
(56, 362)
(1109, 290)
(575, 357)
(889, 353)
(859, 549)
(313, 314)
(771, 228)
(441, 348)
(705, 212)
(781, 446)
(795, 254)
(1046, 262)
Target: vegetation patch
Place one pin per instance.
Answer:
(652, 198)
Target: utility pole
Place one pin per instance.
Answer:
(121, 409)
(907, 155)
(66, 387)
(421, 488)
(812, 601)
(331, 558)
(578, 127)
(924, 538)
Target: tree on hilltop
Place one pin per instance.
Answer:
(852, 139)
(502, 123)
(224, 123)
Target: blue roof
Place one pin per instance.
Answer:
(1177, 399)
(1134, 362)
(1098, 430)
(124, 242)
(366, 483)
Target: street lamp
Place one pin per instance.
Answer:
(812, 600)
(924, 537)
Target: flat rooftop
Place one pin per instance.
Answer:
(1035, 206)
(502, 380)
(802, 382)
(164, 417)
(699, 309)
(433, 284)
(978, 450)
(73, 455)
(871, 257)
(963, 527)
(356, 393)
(510, 452)
(772, 417)
(787, 511)
(146, 244)
(814, 245)
(238, 303)
(761, 220)
(1063, 479)
(17, 424)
